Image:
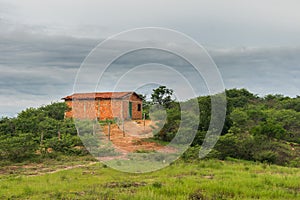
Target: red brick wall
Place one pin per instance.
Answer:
(135, 101)
(82, 109)
(108, 109)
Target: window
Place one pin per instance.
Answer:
(139, 108)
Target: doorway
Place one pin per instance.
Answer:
(130, 110)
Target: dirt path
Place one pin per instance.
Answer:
(64, 168)
(137, 128)
(131, 140)
(35, 169)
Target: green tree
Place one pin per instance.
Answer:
(162, 96)
(55, 110)
(17, 148)
(293, 104)
(270, 129)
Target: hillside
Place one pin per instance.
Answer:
(256, 157)
(264, 129)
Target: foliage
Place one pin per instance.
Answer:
(170, 128)
(265, 129)
(162, 96)
(36, 129)
(17, 148)
(266, 156)
(270, 129)
(65, 144)
(256, 128)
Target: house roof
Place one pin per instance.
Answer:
(100, 95)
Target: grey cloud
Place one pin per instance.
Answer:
(231, 22)
(37, 68)
(262, 70)
(33, 50)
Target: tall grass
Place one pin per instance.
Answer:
(206, 179)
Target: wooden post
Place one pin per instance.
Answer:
(108, 130)
(122, 111)
(123, 128)
(42, 138)
(77, 131)
(84, 109)
(122, 114)
(98, 113)
(58, 135)
(93, 132)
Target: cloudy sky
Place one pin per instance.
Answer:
(255, 44)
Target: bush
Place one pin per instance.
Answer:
(295, 163)
(228, 146)
(266, 156)
(17, 148)
(65, 145)
(192, 153)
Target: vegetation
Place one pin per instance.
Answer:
(258, 132)
(260, 129)
(162, 96)
(265, 129)
(38, 132)
(205, 179)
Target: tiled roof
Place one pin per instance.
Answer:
(99, 95)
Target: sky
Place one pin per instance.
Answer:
(254, 44)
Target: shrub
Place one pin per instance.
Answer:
(266, 156)
(227, 146)
(65, 145)
(17, 148)
(192, 153)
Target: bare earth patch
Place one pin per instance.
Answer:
(131, 140)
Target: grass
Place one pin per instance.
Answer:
(43, 165)
(160, 142)
(206, 179)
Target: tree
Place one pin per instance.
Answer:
(228, 146)
(162, 96)
(55, 110)
(239, 98)
(269, 128)
(238, 117)
(293, 104)
(17, 148)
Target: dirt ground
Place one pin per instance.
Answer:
(131, 139)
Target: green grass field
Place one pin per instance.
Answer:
(207, 179)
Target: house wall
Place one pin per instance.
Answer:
(110, 109)
(135, 101)
(114, 108)
(104, 108)
(82, 109)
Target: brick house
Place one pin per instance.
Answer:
(104, 105)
